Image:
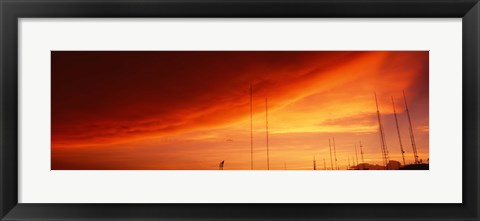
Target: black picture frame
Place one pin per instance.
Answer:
(12, 10)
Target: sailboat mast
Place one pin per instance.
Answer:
(382, 136)
(356, 153)
(266, 129)
(348, 163)
(361, 151)
(410, 127)
(335, 152)
(251, 126)
(331, 159)
(398, 131)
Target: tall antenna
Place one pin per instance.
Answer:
(314, 163)
(412, 138)
(361, 151)
(251, 127)
(382, 136)
(356, 153)
(324, 164)
(335, 152)
(266, 129)
(398, 131)
(331, 159)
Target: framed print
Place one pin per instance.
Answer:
(226, 119)
(239, 110)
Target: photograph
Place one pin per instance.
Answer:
(240, 110)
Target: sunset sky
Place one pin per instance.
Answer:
(190, 110)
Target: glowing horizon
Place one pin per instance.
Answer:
(190, 110)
